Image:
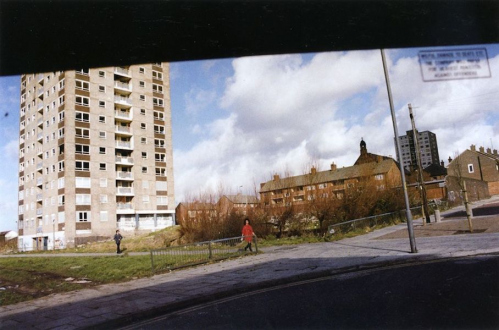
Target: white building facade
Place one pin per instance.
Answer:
(95, 155)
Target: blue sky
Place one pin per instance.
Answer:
(236, 122)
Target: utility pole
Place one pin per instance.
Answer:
(422, 188)
(469, 213)
(412, 240)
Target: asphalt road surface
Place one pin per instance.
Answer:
(451, 294)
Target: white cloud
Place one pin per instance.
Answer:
(197, 100)
(284, 114)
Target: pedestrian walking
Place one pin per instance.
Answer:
(117, 239)
(248, 234)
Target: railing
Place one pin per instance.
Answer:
(373, 221)
(121, 71)
(124, 175)
(123, 144)
(121, 85)
(123, 129)
(124, 160)
(123, 114)
(124, 206)
(124, 190)
(198, 253)
(121, 99)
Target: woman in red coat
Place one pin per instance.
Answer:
(248, 234)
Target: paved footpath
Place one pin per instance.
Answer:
(108, 306)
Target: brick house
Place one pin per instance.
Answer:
(481, 165)
(239, 203)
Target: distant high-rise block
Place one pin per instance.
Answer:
(95, 155)
(427, 144)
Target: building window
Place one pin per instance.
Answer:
(102, 89)
(144, 155)
(82, 133)
(157, 88)
(102, 150)
(143, 140)
(83, 216)
(82, 166)
(159, 129)
(82, 116)
(143, 112)
(61, 166)
(103, 199)
(60, 200)
(102, 104)
(162, 200)
(159, 157)
(144, 169)
(145, 199)
(103, 182)
(160, 171)
(102, 166)
(83, 199)
(84, 101)
(103, 216)
(102, 134)
(142, 97)
(142, 84)
(82, 149)
(102, 74)
(379, 177)
(141, 70)
(158, 143)
(157, 75)
(470, 168)
(158, 115)
(81, 182)
(102, 119)
(157, 102)
(142, 125)
(82, 85)
(83, 71)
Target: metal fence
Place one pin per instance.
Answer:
(373, 221)
(199, 253)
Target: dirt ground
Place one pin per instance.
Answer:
(489, 224)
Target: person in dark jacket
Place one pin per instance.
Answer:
(117, 239)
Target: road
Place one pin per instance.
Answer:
(458, 294)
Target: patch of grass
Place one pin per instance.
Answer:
(29, 278)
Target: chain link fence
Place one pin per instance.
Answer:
(198, 253)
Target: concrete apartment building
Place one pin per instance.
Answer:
(95, 154)
(427, 144)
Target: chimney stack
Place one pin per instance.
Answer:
(333, 167)
(276, 177)
(495, 152)
(442, 163)
(450, 159)
(489, 151)
(482, 149)
(473, 147)
(313, 170)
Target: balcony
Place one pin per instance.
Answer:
(40, 78)
(123, 86)
(124, 160)
(124, 191)
(122, 130)
(39, 166)
(39, 182)
(122, 100)
(122, 71)
(124, 145)
(124, 206)
(40, 122)
(39, 197)
(123, 115)
(40, 92)
(120, 175)
(39, 137)
(40, 107)
(39, 211)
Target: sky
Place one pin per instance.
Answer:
(237, 122)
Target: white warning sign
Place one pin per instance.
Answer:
(454, 64)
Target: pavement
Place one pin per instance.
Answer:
(114, 305)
